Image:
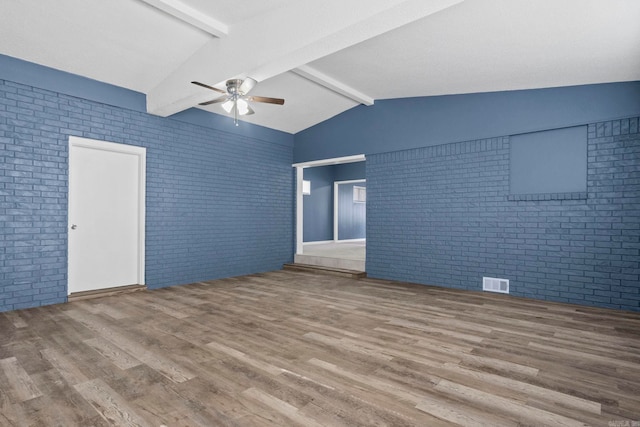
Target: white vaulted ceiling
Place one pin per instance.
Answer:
(325, 57)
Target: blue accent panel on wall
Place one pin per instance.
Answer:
(318, 206)
(553, 161)
(457, 223)
(219, 204)
(351, 215)
(400, 124)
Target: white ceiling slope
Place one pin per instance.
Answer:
(325, 57)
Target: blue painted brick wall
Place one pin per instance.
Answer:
(442, 215)
(218, 204)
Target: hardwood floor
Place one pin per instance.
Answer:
(293, 348)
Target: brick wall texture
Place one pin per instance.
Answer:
(443, 216)
(220, 205)
(217, 204)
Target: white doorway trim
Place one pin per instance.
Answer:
(335, 206)
(299, 198)
(140, 152)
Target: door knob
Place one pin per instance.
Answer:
(73, 226)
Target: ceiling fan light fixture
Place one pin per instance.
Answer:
(235, 101)
(228, 105)
(243, 106)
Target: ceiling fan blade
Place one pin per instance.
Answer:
(215, 101)
(209, 87)
(278, 101)
(247, 85)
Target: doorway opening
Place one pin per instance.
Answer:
(331, 213)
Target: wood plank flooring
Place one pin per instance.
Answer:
(294, 348)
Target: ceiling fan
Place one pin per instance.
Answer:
(236, 99)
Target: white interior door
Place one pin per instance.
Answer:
(106, 215)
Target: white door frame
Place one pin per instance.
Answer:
(141, 153)
(335, 205)
(299, 198)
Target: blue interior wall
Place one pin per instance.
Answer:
(30, 74)
(400, 124)
(459, 223)
(439, 206)
(218, 197)
(317, 207)
(352, 216)
(443, 160)
(349, 171)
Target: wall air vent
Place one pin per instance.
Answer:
(492, 284)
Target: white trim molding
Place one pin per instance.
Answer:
(299, 197)
(328, 162)
(299, 210)
(141, 153)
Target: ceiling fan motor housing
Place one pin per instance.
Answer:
(233, 85)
